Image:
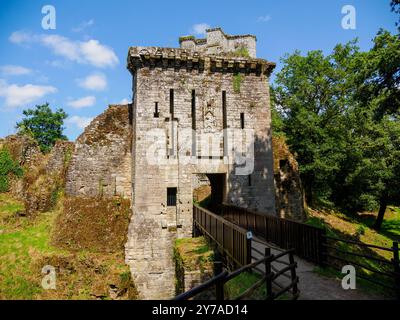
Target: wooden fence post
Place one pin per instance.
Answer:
(268, 274)
(396, 267)
(219, 286)
(196, 232)
(293, 273)
(248, 250)
(322, 247)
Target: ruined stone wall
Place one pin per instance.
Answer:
(154, 224)
(101, 162)
(44, 174)
(60, 156)
(26, 152)
(289, 192)
(217, 42)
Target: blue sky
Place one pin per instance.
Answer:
(81, 65)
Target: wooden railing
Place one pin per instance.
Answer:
(305, 239)
(371, 266)
(231, 239)
(268, 278)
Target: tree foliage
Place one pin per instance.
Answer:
(395, 5)
(340, 115)
(44, 125)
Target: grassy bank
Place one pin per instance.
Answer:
(26, 247)
(358, 227)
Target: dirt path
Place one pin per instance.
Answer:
(314, 286)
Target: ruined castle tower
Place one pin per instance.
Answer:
(203, 108)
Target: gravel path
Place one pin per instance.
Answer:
(314, 286)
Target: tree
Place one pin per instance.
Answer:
(44, 125)
(395, 5)
(376, 124)
(378, 74)
(313, 94)
(341, 115)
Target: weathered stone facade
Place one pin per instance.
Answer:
(101, 163)
(217, 95)
(289, 192)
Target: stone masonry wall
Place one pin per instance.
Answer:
(289, 192)
(155, 225)
(101, 162)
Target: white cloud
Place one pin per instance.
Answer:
(80, 122)
(200, 28)
(20, 37)
(12, 70)
(265, 18)
(83, 26)
(16, 95)
(97, 54)
(96, 81)
(87, 52)
(82, 102)
(62, 46)
(124, 101)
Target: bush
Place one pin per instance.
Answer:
(7, 167)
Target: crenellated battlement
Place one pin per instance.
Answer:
(157, 57)
(218, 42)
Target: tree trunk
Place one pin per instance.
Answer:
(382, 208)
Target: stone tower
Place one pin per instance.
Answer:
(201, 108)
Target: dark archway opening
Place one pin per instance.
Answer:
(209, 190)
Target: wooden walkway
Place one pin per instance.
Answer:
(230, 231)
(312, 286)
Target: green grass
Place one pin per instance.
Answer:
(362, 284)
(9, 207)
(17, 249)
(359, 228)
(241, 283)
(193, 252)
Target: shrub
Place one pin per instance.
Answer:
(8, 167)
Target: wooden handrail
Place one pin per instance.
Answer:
(221, 219)
(358, 254)
(362, 244)
(269, 215)
(388, 274)
(225, 276)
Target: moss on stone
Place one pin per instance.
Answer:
(99, 225)
(185, 38)
(237, 81)
(242, 52)
(194, 253)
